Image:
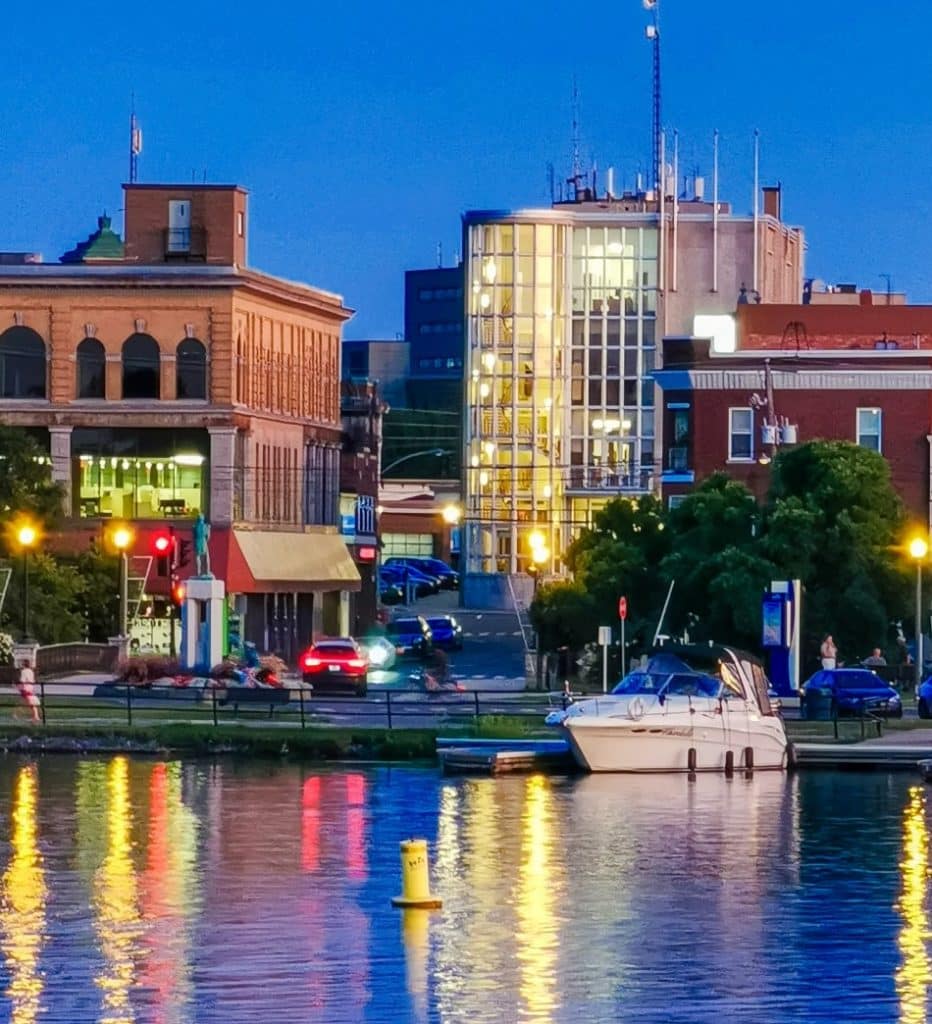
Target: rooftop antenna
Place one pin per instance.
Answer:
(440, 254)
(135, 141)
(577, 175)
(653, 34)
(889, 281)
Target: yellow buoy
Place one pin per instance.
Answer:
(415, 877)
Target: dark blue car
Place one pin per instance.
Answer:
(447, 632)
(924, 698)
(852, 691)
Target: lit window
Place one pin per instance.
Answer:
(675, 500)
(740, 434)
(869, 428)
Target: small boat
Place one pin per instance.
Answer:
(689, 708)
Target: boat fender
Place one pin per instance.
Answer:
(691, 759)
(749, 759)
(729, 762)
(636, 709)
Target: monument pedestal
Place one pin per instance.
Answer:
(203, 615)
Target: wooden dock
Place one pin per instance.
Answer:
(499, 757)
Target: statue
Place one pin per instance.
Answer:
(201, 531)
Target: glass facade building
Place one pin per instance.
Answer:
(561, 336)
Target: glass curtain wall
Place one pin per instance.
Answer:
(515, 394)
(614, 310)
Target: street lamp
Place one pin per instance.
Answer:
(122, 538)
(918, 549)
(413, 455)
(452, 514)
(26, 536)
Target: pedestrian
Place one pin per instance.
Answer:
(828, 652)
(875, 658)
(27, 689)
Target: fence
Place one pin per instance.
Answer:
(129, 704)
(59, 659)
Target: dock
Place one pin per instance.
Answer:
(498, 757)
(895, 750)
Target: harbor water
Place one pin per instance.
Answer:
(137, 890)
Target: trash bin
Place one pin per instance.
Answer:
(817, 705)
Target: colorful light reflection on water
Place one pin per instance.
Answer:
(171, 892)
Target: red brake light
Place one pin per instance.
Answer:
(357, 662)
(310, 662)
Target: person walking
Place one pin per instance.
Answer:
(828, 652)
(27, 689)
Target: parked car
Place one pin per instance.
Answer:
(337, 665)
(411, 636)
(391, 593)
(851, 691)
(924, 698)
(423, 584)
(379, 650)
(447, 632)
(449, 578)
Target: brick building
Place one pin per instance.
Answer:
(166, 378)
(730, 412)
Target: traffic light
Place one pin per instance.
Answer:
(178, 593)
(163, 547)
(184, 552)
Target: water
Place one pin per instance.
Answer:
(136, 890)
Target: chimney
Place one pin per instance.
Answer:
(772, 201)
(866, 297)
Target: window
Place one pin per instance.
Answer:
(868, 427)
(240, 223)
(22, 364)
(675, 500)
(92, 361)
(191, 369)
(740, 434)
(141, 367)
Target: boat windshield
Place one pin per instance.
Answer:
(680, 684)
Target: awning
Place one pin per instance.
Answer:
(266, 561)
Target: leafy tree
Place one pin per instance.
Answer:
(835, 521)
(25, 483)
(55, 599)
(563, 614)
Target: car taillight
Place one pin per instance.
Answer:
(310, 662)
(357, 663)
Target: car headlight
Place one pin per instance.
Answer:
(378, 656)
(894, 699)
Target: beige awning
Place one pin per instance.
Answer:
(297, 562)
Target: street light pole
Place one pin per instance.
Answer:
(918, 549)
(26, 535)
(122, 538)
(413, 455)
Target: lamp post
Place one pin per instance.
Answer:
(122, 538)
(26, 535)
(540, 555)
(918, 549)
(413, 455)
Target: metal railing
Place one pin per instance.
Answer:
(58, 659)
(296, 706)
(606, 478)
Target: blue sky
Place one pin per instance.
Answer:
(363, 130)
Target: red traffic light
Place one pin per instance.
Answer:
(162, 543)
(178, 593)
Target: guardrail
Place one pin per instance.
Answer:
(295, 706)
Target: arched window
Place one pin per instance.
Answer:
(22, 364)
(191, 369)
(141, 377)
(92, 362)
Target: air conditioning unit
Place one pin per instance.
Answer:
(768, 433)
(789, 433)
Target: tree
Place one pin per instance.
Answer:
(834, 521)
(26, 486)
(619, 555)
(563, 615)
(714, 563)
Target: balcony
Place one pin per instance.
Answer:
(185, 243)
(676, 464)
(623, 479)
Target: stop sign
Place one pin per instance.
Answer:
(622, 608)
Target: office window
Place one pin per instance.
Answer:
(740, 434)
(91, 366)
(869, 428)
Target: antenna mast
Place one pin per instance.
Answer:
(576, 176)
(135, 142)
(653, 34)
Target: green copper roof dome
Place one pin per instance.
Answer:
(104, 244)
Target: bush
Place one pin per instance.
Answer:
(144, 669)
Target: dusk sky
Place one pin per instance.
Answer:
(364, 130)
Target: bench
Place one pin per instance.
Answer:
(250, 695)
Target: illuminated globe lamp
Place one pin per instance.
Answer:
(26, 536)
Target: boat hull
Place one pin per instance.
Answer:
(616, 746)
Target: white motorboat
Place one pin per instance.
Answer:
(690, 708)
